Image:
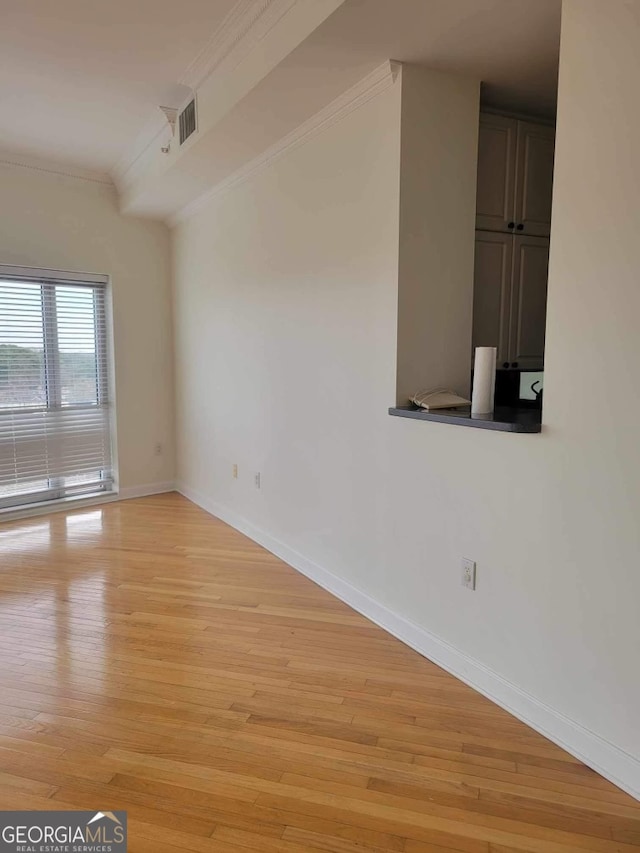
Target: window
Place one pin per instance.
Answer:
(54, 390)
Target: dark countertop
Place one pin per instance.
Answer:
(502, 419)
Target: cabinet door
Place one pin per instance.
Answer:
(528, 301)
(491, 289)
(534, 178)
(496, 172)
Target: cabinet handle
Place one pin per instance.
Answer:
(505, 364)
(511, 225)
(520, 226)
(514, 364)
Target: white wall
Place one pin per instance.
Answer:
(67, 223)
(439, 126)
(286, 293)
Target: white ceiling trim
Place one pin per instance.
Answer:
(39, 164)
(238, 34)
(242, 29)
(369, 87)
(125, 172)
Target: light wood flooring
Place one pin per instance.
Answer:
(155, 660)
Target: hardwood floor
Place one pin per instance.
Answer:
(155, 660)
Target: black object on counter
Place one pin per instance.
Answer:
(508, 390)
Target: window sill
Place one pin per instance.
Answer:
(502, 420)
(45, 507)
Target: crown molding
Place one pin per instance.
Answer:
(369, 87)
(17, 160)
(132, 163)
(239, 32)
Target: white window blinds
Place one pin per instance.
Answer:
(54, 390)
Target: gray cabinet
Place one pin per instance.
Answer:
(528, 313)
(534, 178)
(492, 292)
(513, 218)
(515, 175)
(510, 296)
(497, 144)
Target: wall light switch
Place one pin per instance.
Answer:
(468, 573)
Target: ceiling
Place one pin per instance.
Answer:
(80, 80)
(511, 45)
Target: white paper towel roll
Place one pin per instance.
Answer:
(484, 381)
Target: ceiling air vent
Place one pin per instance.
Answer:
(187, 121)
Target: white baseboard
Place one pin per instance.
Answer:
(605, 758)
(146, 490)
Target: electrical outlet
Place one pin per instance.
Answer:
(468, 573)
(257, 480)
(235, 472)
(158, 449)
